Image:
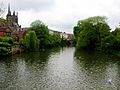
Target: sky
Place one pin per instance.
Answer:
(62, 15)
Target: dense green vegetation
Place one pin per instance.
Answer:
(111, 43)
(30, 42)
(54, 40)
(5, 45)
(41, 31)
(2, 21)
(46, 40)
(36, 38)
(94, 33)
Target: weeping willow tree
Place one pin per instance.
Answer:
(31, 41)
(27, 41)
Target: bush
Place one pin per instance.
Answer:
(5, 45)
(30, 42)
(111, 44)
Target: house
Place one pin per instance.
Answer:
(5, 31)
(70, 37)
(62, 34)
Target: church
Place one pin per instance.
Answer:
(12, 20)
(10, 26)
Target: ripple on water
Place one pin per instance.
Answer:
(60, 69)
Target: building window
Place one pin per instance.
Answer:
(8, 34)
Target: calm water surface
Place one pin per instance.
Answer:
(60, 69)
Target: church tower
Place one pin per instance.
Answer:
(9, 12)
(9, 16)
(12, 19)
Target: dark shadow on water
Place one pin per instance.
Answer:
(36, 57)
(95, 57)
(99, 68)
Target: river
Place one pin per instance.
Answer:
(60, 69)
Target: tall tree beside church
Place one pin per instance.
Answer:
(42, 33)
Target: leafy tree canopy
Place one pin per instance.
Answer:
(90, 31)
(41, 31)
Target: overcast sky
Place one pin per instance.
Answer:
(62, 15)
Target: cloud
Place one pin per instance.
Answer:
(37, 5)
(62, 15)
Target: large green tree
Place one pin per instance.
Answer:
(89, 32)
(42, 32)
(30, 42)
(111, 43)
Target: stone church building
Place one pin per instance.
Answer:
(10, 26)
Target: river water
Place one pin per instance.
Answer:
(60, 69)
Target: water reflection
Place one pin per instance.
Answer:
(60, 69)
(99, 69)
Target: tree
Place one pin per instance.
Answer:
(54, 39)
(116, 31)
(111, 43)
(2, 9)
(90, 31)
(2, 22)
(31, 41)
(76, 31)
(42, 32)
(5, 45)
